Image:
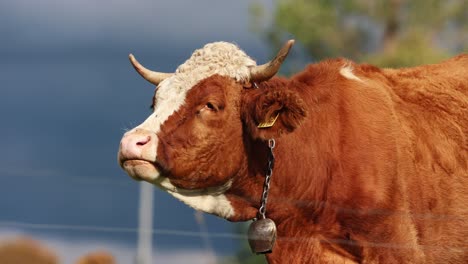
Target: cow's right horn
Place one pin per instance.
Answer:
(266, 71)
(149, 75)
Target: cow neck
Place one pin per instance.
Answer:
(271, 143)
(270, 164)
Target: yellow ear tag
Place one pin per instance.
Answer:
(268, 123)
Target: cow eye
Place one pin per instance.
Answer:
(211, 106)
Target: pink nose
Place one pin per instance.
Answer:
(135, 144)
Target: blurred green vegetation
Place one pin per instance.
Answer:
(387, 33)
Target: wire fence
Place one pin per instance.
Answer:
(282, 200)
(207, 236)
(211, 235)
(155, 231)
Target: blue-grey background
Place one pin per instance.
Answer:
(67, 94)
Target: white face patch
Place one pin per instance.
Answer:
(209, 200)
(221, 58)
(213, 204)
(347, 72)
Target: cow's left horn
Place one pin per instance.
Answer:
(266, 71)
(151, 76)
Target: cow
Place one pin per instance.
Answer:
(371, 164)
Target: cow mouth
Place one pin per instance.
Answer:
(156, 174)
(140, 169)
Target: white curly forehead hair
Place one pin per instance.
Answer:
(221, 58)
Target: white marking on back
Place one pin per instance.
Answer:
(221, 58)
(347, 72)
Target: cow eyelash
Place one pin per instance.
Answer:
(211, 106)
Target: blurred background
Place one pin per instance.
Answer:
(68, 93)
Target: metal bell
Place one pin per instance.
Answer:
(262, 236)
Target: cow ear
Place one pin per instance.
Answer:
(272, 111)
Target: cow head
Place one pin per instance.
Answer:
(193, 145)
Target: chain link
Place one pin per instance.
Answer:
(269, 173)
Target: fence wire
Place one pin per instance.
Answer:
(211, 235)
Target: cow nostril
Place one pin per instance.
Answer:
(144, 141)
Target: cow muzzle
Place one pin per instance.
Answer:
(137, 154)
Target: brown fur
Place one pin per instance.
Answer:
(189, 139)
(371, 171)
(271, 99)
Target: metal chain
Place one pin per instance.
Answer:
(269, 173)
